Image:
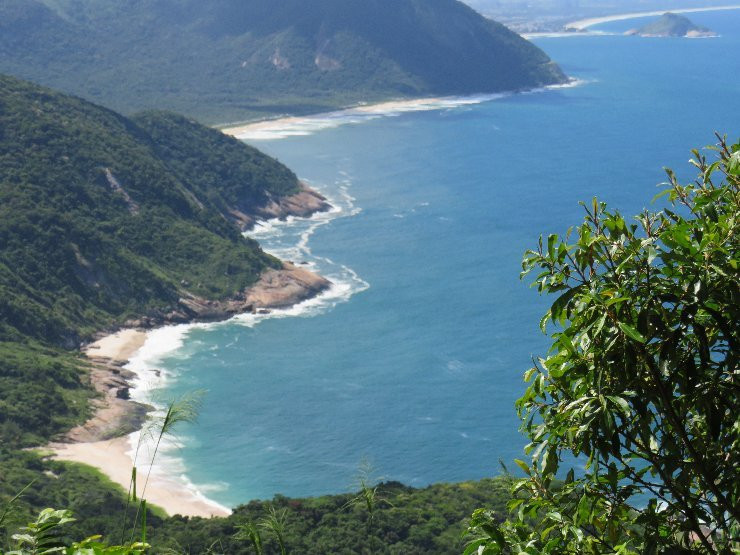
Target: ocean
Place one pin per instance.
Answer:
(412, 362)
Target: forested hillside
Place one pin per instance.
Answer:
(397, 519)
(230, 60)
(102, 219)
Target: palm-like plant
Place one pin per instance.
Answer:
(183, 410)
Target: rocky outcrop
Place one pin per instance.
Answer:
(116, 187)
(285, 287)
(276, 288)
(114, 414)
(302, 204)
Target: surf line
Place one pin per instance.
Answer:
(296, 126)
(144, 355)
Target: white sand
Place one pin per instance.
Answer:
(585, 23)
(112, 459)
(112, 456)
(246, 130)
(118, 347)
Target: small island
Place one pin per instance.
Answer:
(673, 25)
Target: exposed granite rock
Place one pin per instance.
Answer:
(115, 415)
(302, 204)
(275, 289)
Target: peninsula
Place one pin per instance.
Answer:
(672, 25)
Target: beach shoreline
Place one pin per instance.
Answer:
(583, 24)
(112, 458)
(107, 440)
(239, 128)
(284, 126)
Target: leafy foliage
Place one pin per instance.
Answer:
(42, 392)
(234, 59)
(429, 520)
(641, 382)
(96, 503)
(44, 537)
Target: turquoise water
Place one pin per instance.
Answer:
(414, 361)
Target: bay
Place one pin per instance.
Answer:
(414, 361)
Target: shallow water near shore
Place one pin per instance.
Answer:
(414, 359)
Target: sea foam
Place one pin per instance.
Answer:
(301, 126)
(287, 239)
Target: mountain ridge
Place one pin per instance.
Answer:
(231, 60)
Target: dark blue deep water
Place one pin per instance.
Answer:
(415, 361)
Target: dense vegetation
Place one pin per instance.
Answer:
(402, 520)
(236, 59)
(103, 218)
(641, 381)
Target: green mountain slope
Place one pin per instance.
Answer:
(104, 218)
(227, 60)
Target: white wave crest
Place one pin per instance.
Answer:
(288, 240)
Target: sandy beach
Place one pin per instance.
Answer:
(238, 130)
(117, 347)
(583, 24)
(92, 445)
(104, 441)
(301, 125)
(111, 457)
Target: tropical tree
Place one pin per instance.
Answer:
(639, 392)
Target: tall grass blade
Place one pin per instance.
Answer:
(17, 496)
(143, 521)
(180, 411)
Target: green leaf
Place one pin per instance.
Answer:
(733, 165)
(621, 403)
(558, 307)
(632, 332)
(524, 466)
(473, 546)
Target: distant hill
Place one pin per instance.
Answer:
(102, 219)
(226, 60)
(672, 25)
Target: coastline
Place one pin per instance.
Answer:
(107, 440)
(583, 24)
(289, 126)
(112, 458)
(303, 204)
(239, 129)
